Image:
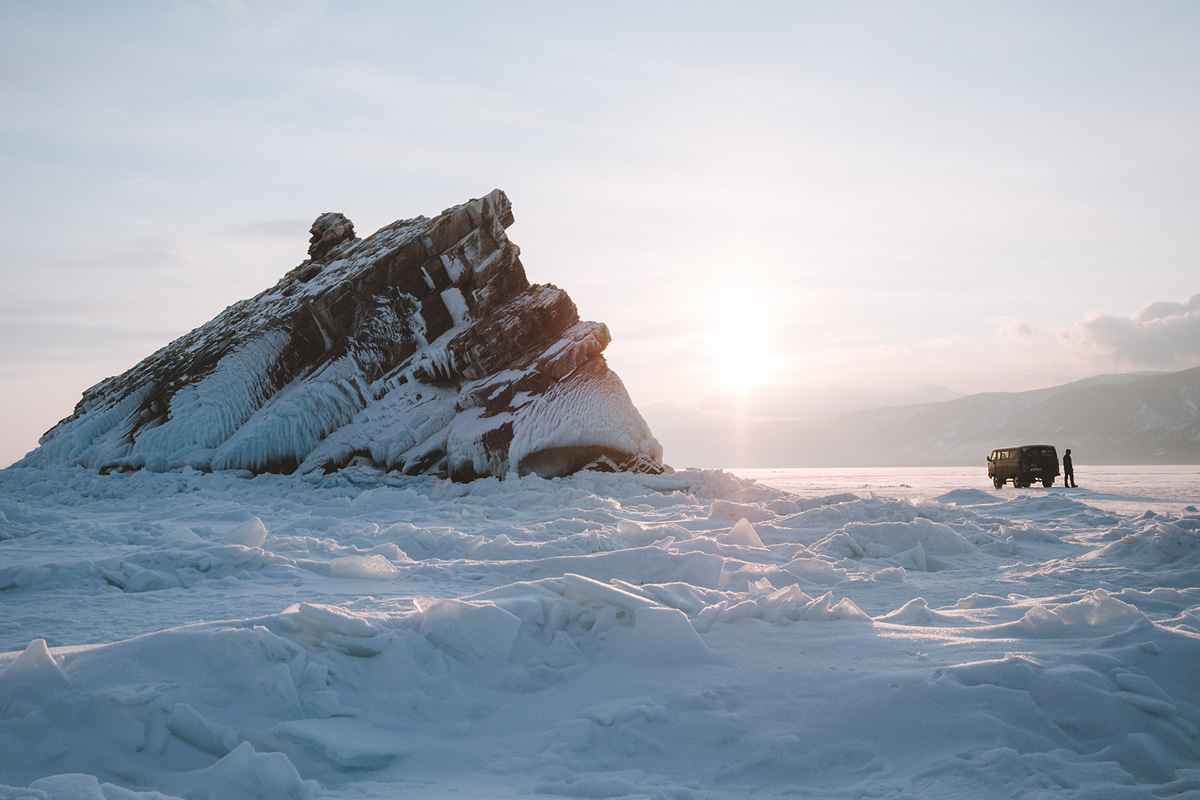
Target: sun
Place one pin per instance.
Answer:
(740, 356)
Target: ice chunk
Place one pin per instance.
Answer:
(815, 570)
(322, 619)
(70, 786)
(1144, 693)
(190, 725)
(742, 533)
(247, 773)
(364, 568)
(824, 608)
(1013, 671)
(976, 600)
(781, 604)
(778, 606)
(913, 543)
(1164, 543)
(35, 666)
(662, 635)
(657, 634)
(1097, 609)
(471, 631)
(728, 509)
(969, 497)
(347, 742)
(918, 612)
(635, 534)
(890, 575)
(585, 590)
(251, 533)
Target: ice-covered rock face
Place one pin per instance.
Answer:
(422, 348)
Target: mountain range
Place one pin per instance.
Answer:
(1137, 418)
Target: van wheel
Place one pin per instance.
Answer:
(999, 482)
(1047, 482)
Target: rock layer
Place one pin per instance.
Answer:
(423, 348)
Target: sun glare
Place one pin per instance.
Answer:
(740, 359)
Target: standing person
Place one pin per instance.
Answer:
(1068, 471)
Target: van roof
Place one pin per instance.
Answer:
(1021, 446)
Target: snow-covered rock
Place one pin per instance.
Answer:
(422, 348)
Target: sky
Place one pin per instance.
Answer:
(779, 209)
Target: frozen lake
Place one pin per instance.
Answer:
(1125, 488)
(809, 633)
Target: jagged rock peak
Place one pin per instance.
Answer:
(422, 348)
(329, 230)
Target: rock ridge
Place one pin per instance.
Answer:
(422, 348)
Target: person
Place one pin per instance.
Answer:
(1068, 471)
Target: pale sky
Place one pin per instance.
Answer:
(783, 208)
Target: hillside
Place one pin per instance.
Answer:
(1112, 419)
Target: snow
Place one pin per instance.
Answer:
(293, 422)
(208, 412)
(456, 304)
(588, 408)
(817, 633)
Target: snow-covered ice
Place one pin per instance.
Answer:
(836, 633)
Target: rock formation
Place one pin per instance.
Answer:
(422, 348)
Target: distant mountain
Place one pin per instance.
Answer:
(1143, 418)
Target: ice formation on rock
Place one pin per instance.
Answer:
(423, 348)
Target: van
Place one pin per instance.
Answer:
(1023, 465)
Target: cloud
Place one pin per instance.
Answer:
(1014, 329)
(1163, 334)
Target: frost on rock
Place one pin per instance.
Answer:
(422, 348)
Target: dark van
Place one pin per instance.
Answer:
(1023, 465)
